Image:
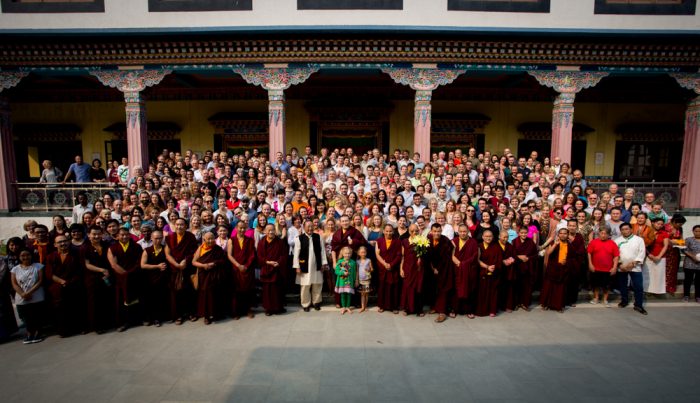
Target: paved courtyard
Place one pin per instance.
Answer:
(588, 354)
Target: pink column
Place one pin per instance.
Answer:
(131, 83)
(275, 79)
(422, 123)
(567, 84)
(136, 132)
(8, 174)
(690, 162)
(278, 128)
(423, 79)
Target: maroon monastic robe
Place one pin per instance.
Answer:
(100, 294)
(509, 278)
(388, 292)
(487, 300)
(577, 272)
(466, 276)
(439, 257)
(211, 286)
(243, 281)
(340, 240)
(412, 289)
(155, 286)
(182, 294)
(128, 285)
(68, 300)
(271, 277)
(553, 294)
(526, 270)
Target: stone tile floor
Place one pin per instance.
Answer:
(587, 354)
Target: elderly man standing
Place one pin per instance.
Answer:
(309, 261)
(632, 254)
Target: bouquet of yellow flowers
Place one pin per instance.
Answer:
(420, 245)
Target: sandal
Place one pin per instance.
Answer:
(441, 318)
(178, 322)
(453, 315)
(421, 314)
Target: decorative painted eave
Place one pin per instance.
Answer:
(46, 132)
(91, 51)
(155, 130)
(651, 131)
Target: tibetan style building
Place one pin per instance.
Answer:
(610, 85)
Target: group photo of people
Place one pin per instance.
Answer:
(205, 237)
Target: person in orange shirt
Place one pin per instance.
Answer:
(298, 202)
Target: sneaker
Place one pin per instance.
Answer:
(641, 310)
(687, 299)
(622, 305)
(37, 339)
(593, 301)
(607, 304)
(28, 340)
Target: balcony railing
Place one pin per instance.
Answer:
(668, 192)
(57, 197)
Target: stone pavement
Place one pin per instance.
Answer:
(588, 354)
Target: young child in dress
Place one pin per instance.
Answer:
(346, 272)
(364, 270)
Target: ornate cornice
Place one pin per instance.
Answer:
(275, 79)
(10, 79)
(423, 79)
(688, 81)
(131, 82)
(139, 51)
(568, 82)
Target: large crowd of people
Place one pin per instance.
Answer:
(215, 235)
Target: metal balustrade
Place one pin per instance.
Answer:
(58, 197)
(668, 192)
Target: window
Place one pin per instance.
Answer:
(651, 7)
(350, 4)
(200, 5)
(53, 6)
(522, 6)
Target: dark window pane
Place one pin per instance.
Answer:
(649, 7)
(200, 5)
(53, 6)
(350, 4)
(523, 6)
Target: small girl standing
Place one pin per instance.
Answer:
(364, 270)
(346, 272)
(26, 280)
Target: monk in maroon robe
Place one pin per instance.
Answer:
(98, 282)
(466, 260)
(412, 275)
(439, 257)
(578, 266)
(66, 287)
(179, 250)
(272, 259)
(211, 263)
(125, 258)
(509, 274)
(241, 254)
(389, 256)
(558, 260)
(490, 262)
(349, 236)
(526, 264)
(156, 276)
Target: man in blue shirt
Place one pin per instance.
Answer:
(80, 170)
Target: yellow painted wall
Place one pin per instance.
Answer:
(197, 133)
